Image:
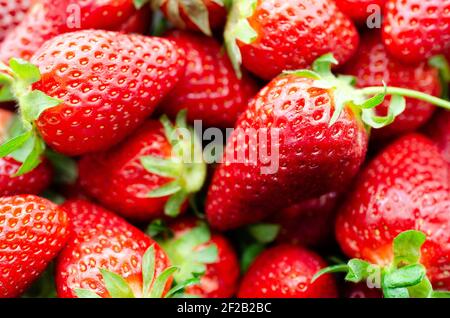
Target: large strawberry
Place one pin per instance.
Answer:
(32, 182)
(95, 87)
(32, 231)
(209, 89)
(372, 65)
(361, 10)
(149, 174)
(190, 246)
(271, 36)
(107, 257)
(414, 30)
(285, 271)
(404, 190)
(11, 14)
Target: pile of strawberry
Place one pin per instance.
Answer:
(105, 190)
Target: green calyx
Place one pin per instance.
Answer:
(442, 65)
(152, 286)
(238, 28)
(362, 101)
(404, 278)
(185, 167)
(24, 143)
(191, 252)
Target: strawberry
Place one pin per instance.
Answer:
(414, 30)
(397, 216)
(107, 257)
(11, 13)
(139, 22)
(210, 89)
(372, 65)
(285, 271)
(439, 131)
(32, 231)
(360, 10)
(265, 34)
(197, 15)
(146, 175)
(33, 182)
(95, 88)
(308, 223)
(196, 251)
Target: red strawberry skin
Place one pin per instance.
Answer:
(285, 271)
(221, 278)
(210, 89)
(108, 82)
(314, 157)
(11, 13)
(308, 223)
(139, 22)
(100, 239)
(32, 231)
(406, 187)
(120, 182)
(439, 131)
(359, 10)
(281, 25)
(414, 30)
(373, 64)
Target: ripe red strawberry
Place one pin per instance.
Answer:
(271, 36)
(406, 187)
(11, 14)
(143, 177)
(210, 89)
(285, 271)
(439, 131)
(360, 10)
(102, 86)
(414, 30)
(102, 250)
(139, 22)
(33, 182)
(49, 18)
(372, 65)
(199, 15)
(195, 250)
(308, 223)
(32, 231)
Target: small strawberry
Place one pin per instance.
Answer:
(397, 219)
(414, 30)
(372, 65)
(271, 36)
(33, 182)
(439, 131)
(95, 88)
(285, 271)
(191, 247)
(197, 15)
(147, 175)
(210, 89)
(360, 10)
(32, 231)
(11, 14)
(107, 257)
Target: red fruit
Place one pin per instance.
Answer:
(360, 10)
(308, 223)
(194, 249)
(286, 271)
(11, 14)
(287, 34)
(406, 187)
(210, 89)
(204, 15)
(372, 65)
(32, 231)
(101, 240)
(414, 30)
(308, 156)
(123, 180)
(33, 182)
(49, 18)
(439, 131)
(139, 22)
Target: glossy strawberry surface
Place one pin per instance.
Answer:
(361, 10)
